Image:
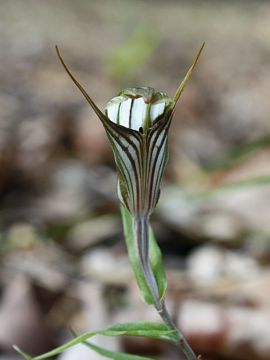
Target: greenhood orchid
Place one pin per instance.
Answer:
(137, 122)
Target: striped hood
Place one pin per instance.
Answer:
(140, 148)
(137, 123)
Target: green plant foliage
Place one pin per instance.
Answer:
(143, 250)
(22, 353)
(155, 257)
(145, 329)
(114, 355)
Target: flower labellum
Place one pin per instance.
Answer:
(138, 108)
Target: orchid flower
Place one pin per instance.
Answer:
(137, 122)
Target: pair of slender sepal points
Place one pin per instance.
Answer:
(140, 153)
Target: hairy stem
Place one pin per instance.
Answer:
(141, 226)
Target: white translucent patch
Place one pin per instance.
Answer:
(118, 111)
(156, 110)
(124, 113)
(138, 114)
(112, 110)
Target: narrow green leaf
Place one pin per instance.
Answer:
(145, 329)
(111, 354)
(64, 347)
(114, 355)
(22, 353)
(154, 255)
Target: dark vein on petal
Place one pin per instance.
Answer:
(153, 180)
(124, 171)
(130, 112)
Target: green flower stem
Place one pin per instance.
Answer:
(141, 226)
(181, 342)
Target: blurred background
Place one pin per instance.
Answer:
(63, 259)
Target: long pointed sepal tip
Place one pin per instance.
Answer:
(190, 70)
(80, 87)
